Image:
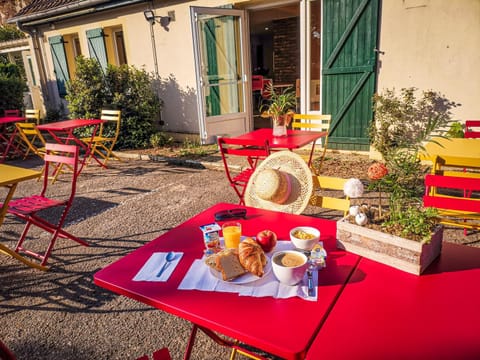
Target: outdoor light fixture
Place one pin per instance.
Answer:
(164, 21)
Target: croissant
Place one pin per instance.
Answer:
(252, 257)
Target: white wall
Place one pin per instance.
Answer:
(433, 45)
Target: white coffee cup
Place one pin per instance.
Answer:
(289, 266)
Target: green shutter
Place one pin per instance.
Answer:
(212, 100)
(349, 66)
(96, 46)
(60, 64)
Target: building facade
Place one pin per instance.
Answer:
(335, 53)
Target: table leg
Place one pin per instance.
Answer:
(4, 209)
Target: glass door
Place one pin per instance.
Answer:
(222, 71)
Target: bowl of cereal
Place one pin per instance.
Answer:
(304, 237)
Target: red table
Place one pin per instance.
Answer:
(284, 327)
(384, 313)
(7, 139)
(62, 132)
(295, 139)
(365, 310)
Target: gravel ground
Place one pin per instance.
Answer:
(61, 314)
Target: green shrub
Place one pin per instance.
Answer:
(124, 88)
(12, 87)
(160, 139)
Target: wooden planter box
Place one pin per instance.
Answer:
(403, 254)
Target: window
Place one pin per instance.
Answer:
(120, 48)
(107, 45)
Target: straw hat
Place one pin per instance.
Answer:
(282, 182)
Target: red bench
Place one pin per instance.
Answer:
(456, 198)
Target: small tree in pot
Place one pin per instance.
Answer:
(280, 107)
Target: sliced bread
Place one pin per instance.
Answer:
(229, 264)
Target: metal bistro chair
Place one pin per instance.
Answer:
(32, 138)
(251, 150)
(6, 133)
(313, 122)
(33, 114)
(321, 184)
(103, 142)
(28, 208)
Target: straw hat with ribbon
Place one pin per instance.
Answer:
(282, 182)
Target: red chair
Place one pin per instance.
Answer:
(267, 88)
(27, 208)
(11, 112)
(470, 132)
(251, 150)
(257, 83)
(5, 353)
(162, 354)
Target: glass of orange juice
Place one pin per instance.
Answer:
(232, 232)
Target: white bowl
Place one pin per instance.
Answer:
(289, 275)
(305, 244)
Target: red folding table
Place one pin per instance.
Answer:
(365, 310)
(284, 327)
(62, 132)
(295, 139)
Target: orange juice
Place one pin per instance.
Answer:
(231, 234)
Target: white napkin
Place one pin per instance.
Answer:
(154, 264)
(200, 277)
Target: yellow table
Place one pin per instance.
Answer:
(461, 153)
(10, 176)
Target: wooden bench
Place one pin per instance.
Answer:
(456, 198)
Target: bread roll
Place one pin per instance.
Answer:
(251, 256)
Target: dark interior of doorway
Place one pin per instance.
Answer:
(275, 50)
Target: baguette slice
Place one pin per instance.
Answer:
(229, 264)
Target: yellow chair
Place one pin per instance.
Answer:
(32, 138)
(103, 142)
(313, 122)
(320, 183)
(33, 114)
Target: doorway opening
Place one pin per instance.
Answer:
(275, 53)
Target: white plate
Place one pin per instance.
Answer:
(246, 278)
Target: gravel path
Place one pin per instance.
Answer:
(61, 314)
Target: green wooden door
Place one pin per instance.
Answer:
(349, 67)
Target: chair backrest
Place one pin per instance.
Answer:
(267, 88)
(251, 150)
(314, 122)
(31, 136)
(110, 116)
(11, 112)
(33, 114)
(341, 203)
(472, 129)
(57, 155)
(257, 82)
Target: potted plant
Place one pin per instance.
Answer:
(280, 107)
(402, 234)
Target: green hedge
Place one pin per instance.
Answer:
(125, 88)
